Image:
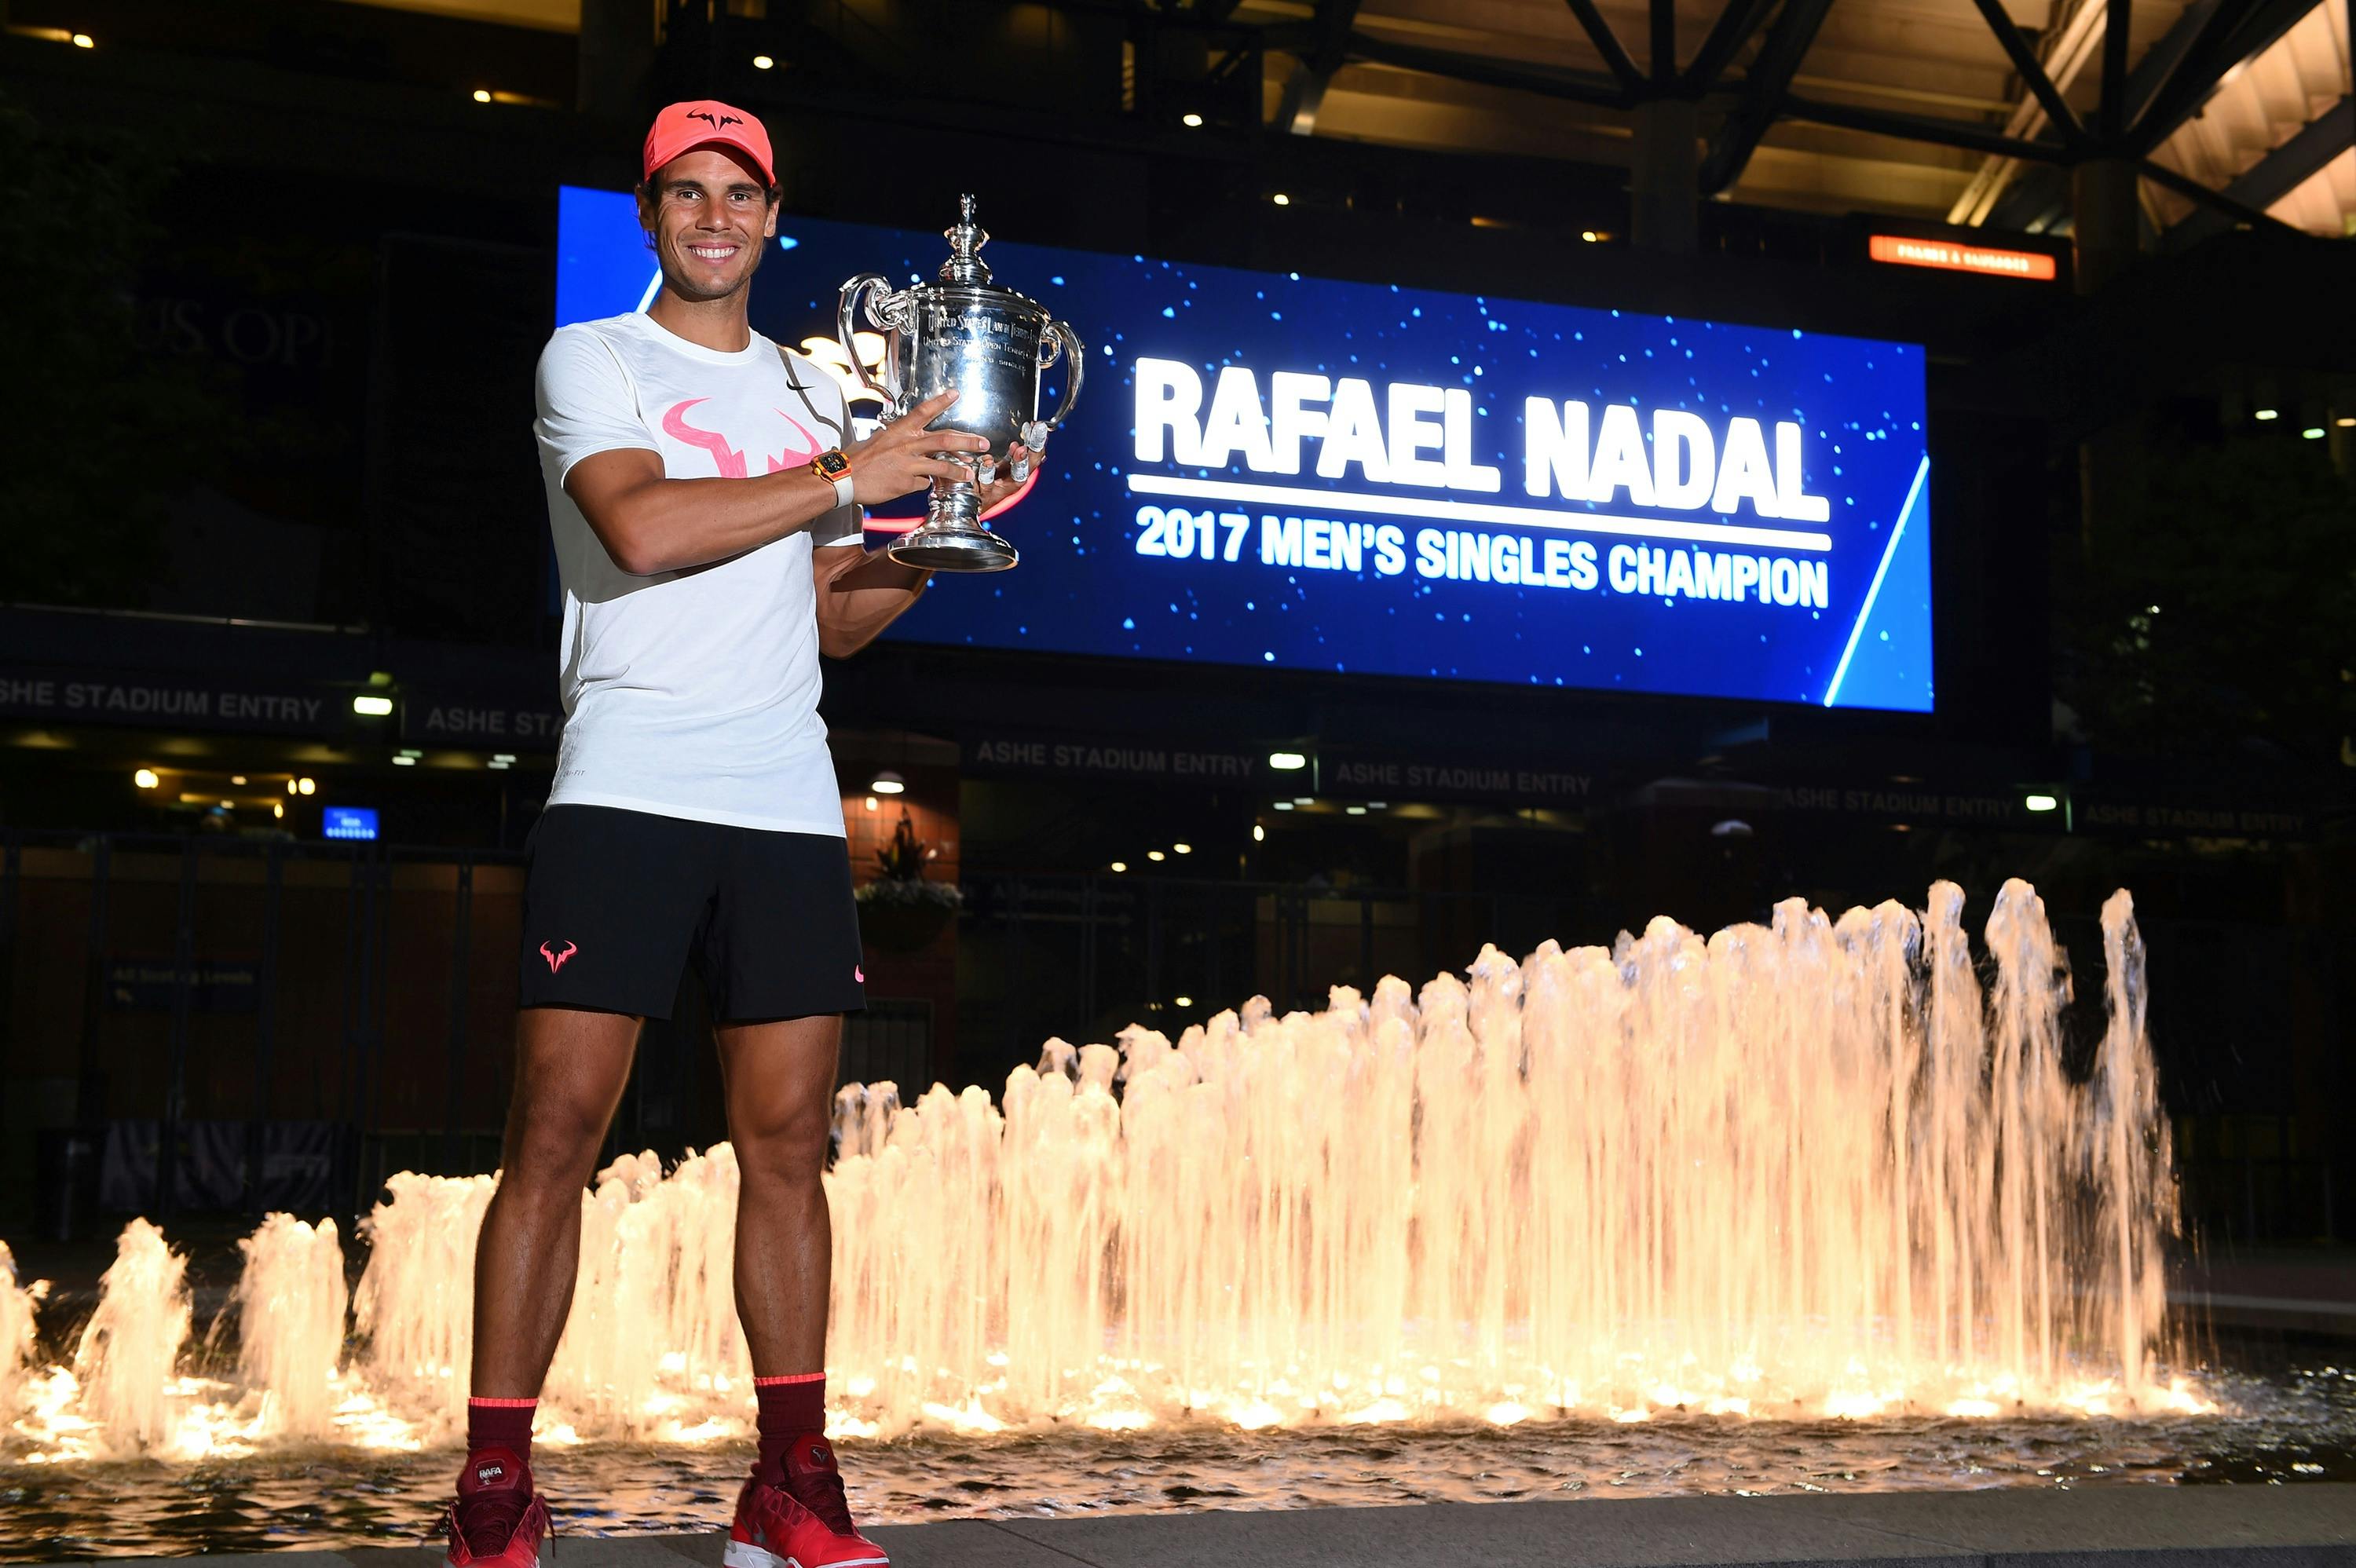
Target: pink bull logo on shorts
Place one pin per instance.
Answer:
(556, 960)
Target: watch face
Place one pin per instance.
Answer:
(833, 464)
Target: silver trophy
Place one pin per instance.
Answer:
(990, 344)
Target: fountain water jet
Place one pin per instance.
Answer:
(125, 1365)
(415, 1303)
(19, 1305)
(290, 1299)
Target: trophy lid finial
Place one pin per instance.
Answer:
(966, 240)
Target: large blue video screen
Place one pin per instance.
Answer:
(1286, 472)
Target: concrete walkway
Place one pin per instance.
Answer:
(2306, 1526)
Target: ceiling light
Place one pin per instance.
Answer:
(1356, 810)
(306, 786)
(2346, 421)
(404, 761)
(762, 62)
(410, 751)
(482, 95)
(1259, 834)
(1155, 855)
(2313, 432)
(1304, 800)
(889, 782)
(497, 766)
(1588, 235)
(146, 778)
(2267, 414)
(1120, 865)
(1189, 120)
(1280, 805)
(1282, 200)
(84, 41)
(870, 803)
(229, 805)
(503, 756)
(2042, 802)
(278, 808)
(237, 779)
(371, 706)
(1184, 1001)
(1287, 762)
(290, 786)
(1182, 848)
(1378, 805)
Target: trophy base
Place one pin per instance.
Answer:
(977, 549)
(952, 538)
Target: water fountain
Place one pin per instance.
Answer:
(126, 1364)
(290, 1302)
(20, 1301)
(1812, 1171)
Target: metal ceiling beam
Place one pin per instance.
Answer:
(1916, 128)
(2279, 173)
(2033, 70)
(2040, 195)
(1304, 94)
(2160, 61)
(1763, 92)
(1664, 45)
(2066, 53)
(1577, 86)
(1607, 44)
(2119, 29)
(2232, 34)
(2193, 189)
(1736, 22)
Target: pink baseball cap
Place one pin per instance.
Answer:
(706, 121)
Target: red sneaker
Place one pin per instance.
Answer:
(498, 1520)
(805, 1524)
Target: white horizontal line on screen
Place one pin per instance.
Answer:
(1324, 501)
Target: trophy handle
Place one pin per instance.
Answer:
(876, 287)
(1075, 356)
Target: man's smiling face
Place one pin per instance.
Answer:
(710, 213)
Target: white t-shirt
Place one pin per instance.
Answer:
(690, 693)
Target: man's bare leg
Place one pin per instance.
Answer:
(780, 1083)
(779, 1079)
(571, 1067)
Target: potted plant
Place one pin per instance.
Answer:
(900, 911)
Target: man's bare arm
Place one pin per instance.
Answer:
(649, 523)
(859, 594)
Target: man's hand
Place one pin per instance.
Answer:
(1021, 465)
(899, 457)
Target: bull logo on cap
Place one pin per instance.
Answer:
(706, 117)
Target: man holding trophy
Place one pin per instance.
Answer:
(704, 489)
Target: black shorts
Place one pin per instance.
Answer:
(616, 903)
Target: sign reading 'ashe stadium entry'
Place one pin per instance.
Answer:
(1296, 473)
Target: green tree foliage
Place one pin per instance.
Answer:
(99, 435)
(2221, 609)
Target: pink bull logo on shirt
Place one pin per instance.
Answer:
(729, 460)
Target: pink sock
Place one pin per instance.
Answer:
(789, 1406)
(500, 1423)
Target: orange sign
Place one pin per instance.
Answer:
(1907, 251)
